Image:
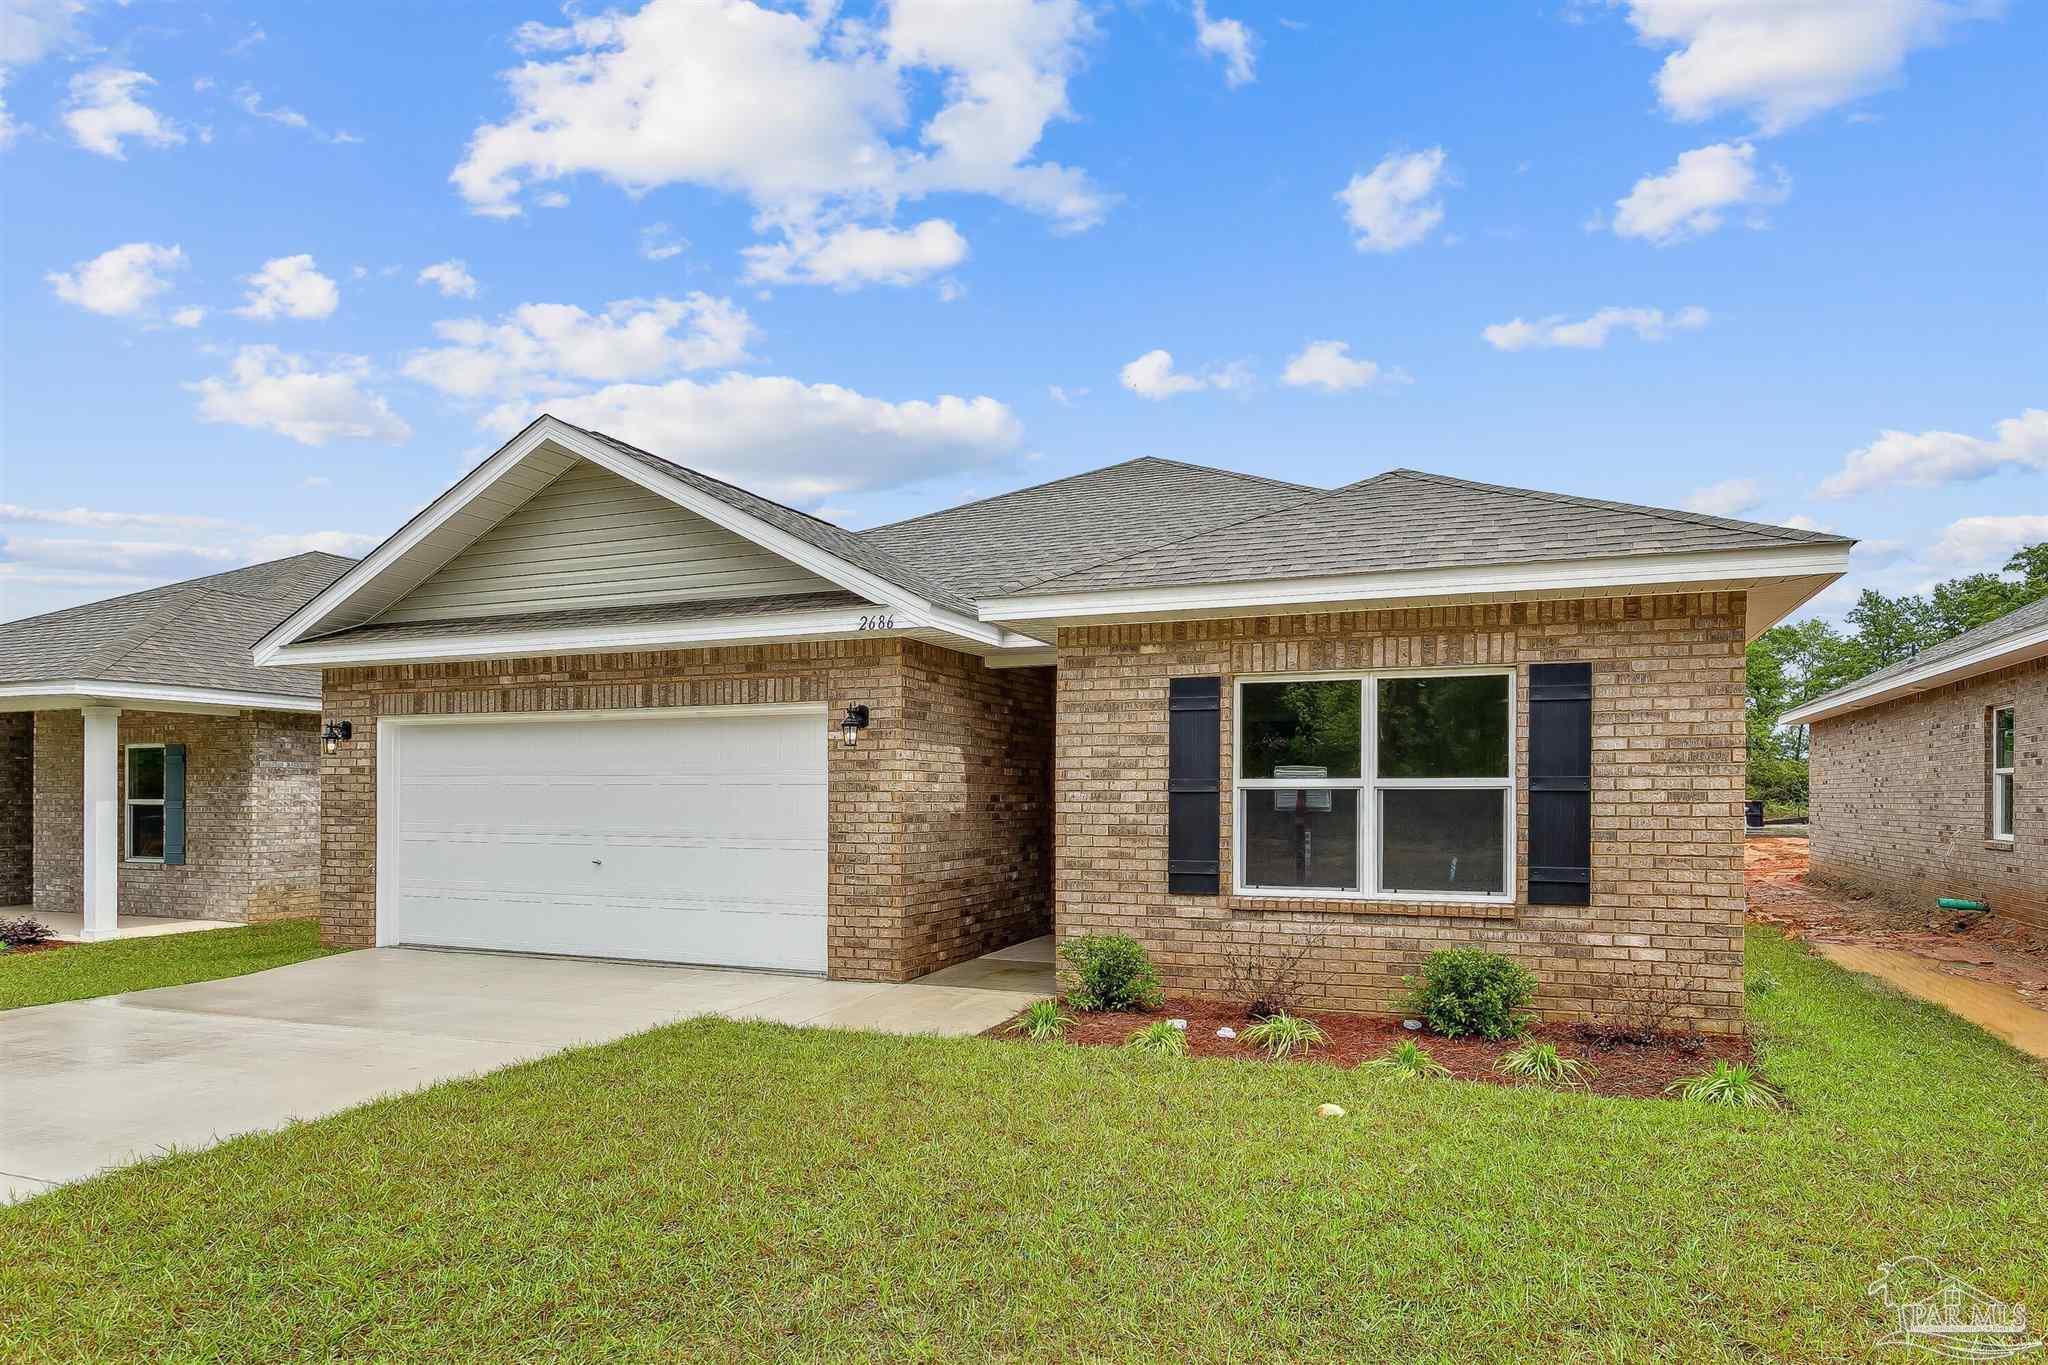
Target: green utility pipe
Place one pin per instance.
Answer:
(1951, 903)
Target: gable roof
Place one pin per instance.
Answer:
(1406, 519)
(2012, 639)
(194, 634)
(1013, 539)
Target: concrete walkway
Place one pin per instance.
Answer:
(69, 926)
(99, 1083)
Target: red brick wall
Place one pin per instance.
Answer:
(17, 822)
(1900, 800)
(922, 870)
(251, 816)
(1664, 932)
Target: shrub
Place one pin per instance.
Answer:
(1114, 971)
(1760, 983)
(1543, 1063)
(1043, 1019)
(1729, 1083)
(1467, 990)
(1158, 1039)
(1282, 1035)
(1407, 1060)
(24, 932)
(1269, 979)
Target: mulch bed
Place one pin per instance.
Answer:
(1638, 1069)
(47, 946)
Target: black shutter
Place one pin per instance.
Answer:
(1194, 709)
(1560, 784)
(174, 803)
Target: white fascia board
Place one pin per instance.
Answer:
(548, 430)
(1693, 571)
(1989, 658)
(51, 696)
(728, 630)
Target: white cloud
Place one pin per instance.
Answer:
(659, 243)
(1230, 40)
(289, 287)
(1928, 459)
(1802, 522)
(120, 283)
(1064, 396)
(1782, 63)
(850, 257)
(1728, 498)
(1328, 365)
(1398, 202)
(1692, 198)
(1152, 376)
(252, 103)
(543, 348)
(1989, 541)
(103, 108)
(350, 543)
(17, 514)
(790, 440)
(190, 316)
(1590, 334)
(451, 277)
(807, 113)
(1866, 554)
(31, 30)
(271, 390)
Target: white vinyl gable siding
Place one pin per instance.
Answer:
(592, 539)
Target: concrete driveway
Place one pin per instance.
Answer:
(100, 1083)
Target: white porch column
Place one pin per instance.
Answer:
(102, 869)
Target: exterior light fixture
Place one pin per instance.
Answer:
(855, 722)
(333, 733)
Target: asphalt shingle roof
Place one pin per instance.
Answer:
(986, 547)
(1405, 519)
(848, 545)
(192, 634)
(2033, 616)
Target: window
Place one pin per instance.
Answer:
(1381, 785)
(143, 813)
(2001, 772)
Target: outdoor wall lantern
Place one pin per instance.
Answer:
(333, 733)
(855, 722)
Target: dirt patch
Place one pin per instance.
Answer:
(1638, 1069)
(1975, 946)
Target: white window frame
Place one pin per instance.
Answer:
(1369, 785)
(129, 801)
(2004, 829)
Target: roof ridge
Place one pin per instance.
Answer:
(1297, 504)
(1756, 528)
(126, 643)
(1082, 474)
(723, 483)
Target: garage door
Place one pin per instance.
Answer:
(685, 837)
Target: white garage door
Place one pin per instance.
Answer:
(690, 837)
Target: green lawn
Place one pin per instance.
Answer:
(728, 1191)
(135, 964)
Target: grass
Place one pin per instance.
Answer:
(721, 1191)
(84, 970)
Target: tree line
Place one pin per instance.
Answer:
(1792, 664)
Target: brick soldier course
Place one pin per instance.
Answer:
(1663, 934)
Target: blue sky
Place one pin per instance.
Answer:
(1776, 261)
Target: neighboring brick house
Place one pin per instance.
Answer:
(149, 768)
(599, 703)
(1930, 778)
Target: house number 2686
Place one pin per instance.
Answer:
(878, 623)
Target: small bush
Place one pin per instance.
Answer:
(1467, 990)
(1114, 971)
(24, 932)
(1282, 1035)
(1042, 1020)
(1407, 1060)
(1729, 1083)
(1541, 1062)
(1158, 1039)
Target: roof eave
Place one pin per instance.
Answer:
(1989, 658)
(70, 694)
(1781, 577)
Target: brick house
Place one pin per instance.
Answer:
(1927, 778)
(148, 768)
(599, 703)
